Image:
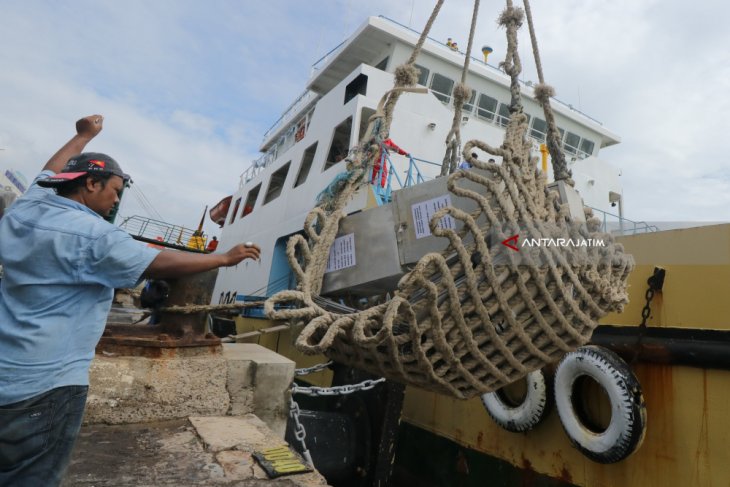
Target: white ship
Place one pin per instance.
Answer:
(302, 152)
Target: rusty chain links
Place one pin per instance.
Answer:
(646, 311)
(655, 283)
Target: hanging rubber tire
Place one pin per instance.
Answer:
(519, 417)
(625, 432)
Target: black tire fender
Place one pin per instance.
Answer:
(526, 415)
(627, 426)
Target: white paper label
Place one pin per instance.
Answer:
(423, 211)
(342, 253)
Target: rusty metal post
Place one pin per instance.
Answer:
(174, 329)
(195, 289)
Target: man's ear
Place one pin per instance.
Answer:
(91, 184)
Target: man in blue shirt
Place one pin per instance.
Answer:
(62, 262)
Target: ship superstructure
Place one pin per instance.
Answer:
(305, 149)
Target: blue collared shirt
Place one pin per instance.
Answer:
(62, 262)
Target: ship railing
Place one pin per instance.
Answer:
(618, 225)
(412, 176)
(256, 167)
(160, 233)
(383, 192)
(286, 140)
(303, 99)
(610, 223)
(319, 63)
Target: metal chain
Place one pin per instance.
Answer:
(312, 369)
(337, 390)
(655, 282)
(299, 432)
(646, 311)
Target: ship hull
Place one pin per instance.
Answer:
(447, 441)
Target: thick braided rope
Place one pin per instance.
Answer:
(470, 319)
(543, 93)
(407, 74)
(461, 93)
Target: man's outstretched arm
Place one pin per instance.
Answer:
(86, 129)
(392, 145)
(171, 263)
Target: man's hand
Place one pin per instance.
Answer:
(171, 263)
(241, 252)
(90, 126)
(86, 129)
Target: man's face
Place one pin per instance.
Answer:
(102, 198)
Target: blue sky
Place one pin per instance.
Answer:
(188, 88)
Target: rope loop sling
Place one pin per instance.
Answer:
(462, 93)
(475, 316)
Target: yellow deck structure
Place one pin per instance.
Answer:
(688, 408)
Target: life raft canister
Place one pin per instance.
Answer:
(525, 415)
(625, 432)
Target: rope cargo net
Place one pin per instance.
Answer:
(474, 317)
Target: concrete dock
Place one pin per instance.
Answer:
(185, 417)
(199, 451)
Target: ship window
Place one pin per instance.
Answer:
(442, 87)
(422, 75)
(235, 210)
(301, 129)
(358, 86)
(503, 118)
(383, 64)
(277, 183)
(562, 133)
(487, 107)
(253, 195)
(306, 164)
(572, 141)
(365, 115)
(469, 104)
(340, 144)
(587, 146)
(539, 129)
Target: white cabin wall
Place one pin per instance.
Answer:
(594, 179)
(390, 53)
(285, 214)
(399, 55)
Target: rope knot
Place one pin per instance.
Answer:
(461, 93)
(406, 75)
(511, 16)
(543, 92)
